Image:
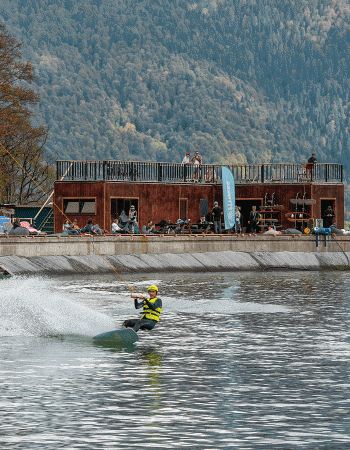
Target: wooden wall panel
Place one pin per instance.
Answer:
(334, 192)
(158, 201)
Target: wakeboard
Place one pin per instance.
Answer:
(127, 336)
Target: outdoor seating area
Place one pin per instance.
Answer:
(17, 228)
(180, 227)
(183, 227)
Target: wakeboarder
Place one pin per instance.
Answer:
(152, 308)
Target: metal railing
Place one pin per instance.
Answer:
(111, 170)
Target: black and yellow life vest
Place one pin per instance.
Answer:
(149, 313)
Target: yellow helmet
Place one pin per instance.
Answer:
(153, 288)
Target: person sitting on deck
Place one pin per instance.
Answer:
(149, 228)
(115, 228)
(336, 230)
(163, 227)
(75, 225)
(152, 308)
(202, 222)
(69, 228)
(180, 224)
(202, 225)
(17, 229)
(66, 225)
(16, 223)
(209, 178)
(136, 228)
(91, 229)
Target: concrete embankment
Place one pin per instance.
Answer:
(128, 254)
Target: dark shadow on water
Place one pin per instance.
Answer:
(108, 344)
(115, 346)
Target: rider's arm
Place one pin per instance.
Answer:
(138, 304)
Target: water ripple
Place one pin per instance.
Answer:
(264, 368)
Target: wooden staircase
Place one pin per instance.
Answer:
(47, 224)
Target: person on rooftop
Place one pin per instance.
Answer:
(197, 162)
(310, 166)
(186, 159)
(186, 162)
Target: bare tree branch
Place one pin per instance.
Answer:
(20, 141)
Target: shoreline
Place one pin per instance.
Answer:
(46, 255)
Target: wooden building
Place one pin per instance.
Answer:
(283, 193)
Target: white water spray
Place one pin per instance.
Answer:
(32, 307)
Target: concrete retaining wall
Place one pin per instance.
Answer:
(33, 246)
(105, 254)
(189, 262)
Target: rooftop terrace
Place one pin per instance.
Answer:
(111, 170)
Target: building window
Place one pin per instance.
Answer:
(79, 206)
(87, 207)
(71, 207)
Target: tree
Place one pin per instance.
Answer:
(24, 173)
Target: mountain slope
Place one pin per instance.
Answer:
(252, 81)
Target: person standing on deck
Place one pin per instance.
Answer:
(328, 216)
(238, 228)
(152, 308)
(253, 219)
(216, 213)
(132, 219)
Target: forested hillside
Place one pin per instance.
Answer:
(239, 80)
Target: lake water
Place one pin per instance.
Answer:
(239, 360)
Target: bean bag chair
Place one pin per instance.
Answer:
(335, 230)
(291, 231)
(272, 231)
(19, 231)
